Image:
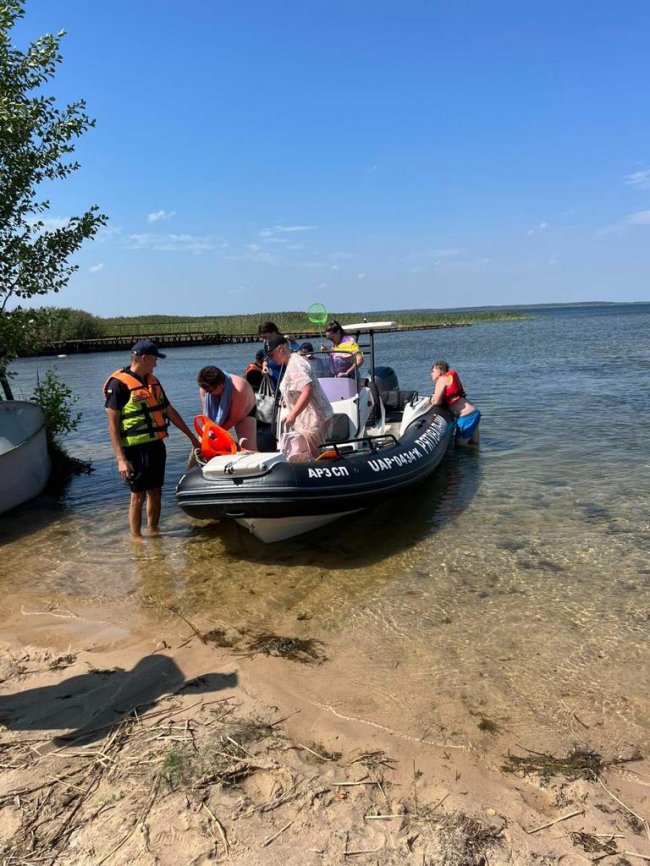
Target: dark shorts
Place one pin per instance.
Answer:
(148, 463)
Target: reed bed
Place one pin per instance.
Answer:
(291, 321)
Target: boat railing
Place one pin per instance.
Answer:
(364, 443)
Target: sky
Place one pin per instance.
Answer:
(263, 155)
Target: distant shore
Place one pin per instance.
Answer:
(77, 332)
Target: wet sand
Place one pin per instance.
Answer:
(128, 735)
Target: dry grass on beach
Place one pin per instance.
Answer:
(198, 768)
(197, 782)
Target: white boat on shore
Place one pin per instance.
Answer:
(24, 459)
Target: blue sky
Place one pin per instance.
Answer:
(262, 155)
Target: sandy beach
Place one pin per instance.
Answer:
(151, 737)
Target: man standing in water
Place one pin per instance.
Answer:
(138, 417)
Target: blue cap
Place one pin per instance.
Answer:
(146, 347)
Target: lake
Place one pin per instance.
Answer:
(513, 588)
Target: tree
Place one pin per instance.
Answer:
(37, 140)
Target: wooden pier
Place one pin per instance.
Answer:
(172, 341)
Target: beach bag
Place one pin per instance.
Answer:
(265, 401)
(294, 447)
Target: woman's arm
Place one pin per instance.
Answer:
(302, 402)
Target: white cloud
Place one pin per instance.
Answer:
(361, 276)
(170, 243)
(95, 269)
(640, 218)
(49, 224)
(107, 233)
(158, 215)
(539, 228)
(335, 268)
(255, 253)
(280, 230)
(552, 261)
(543, 225)
(640, 179)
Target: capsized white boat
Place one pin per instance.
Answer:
(24, 459)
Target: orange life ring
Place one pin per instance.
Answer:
(215, 441)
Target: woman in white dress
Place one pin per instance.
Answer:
(310, 412)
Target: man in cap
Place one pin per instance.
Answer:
(139, 414)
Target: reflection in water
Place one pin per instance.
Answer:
(513, 586)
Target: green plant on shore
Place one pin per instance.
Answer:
(172, 772)
(57, 401)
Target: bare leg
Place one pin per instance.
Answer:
(246, 430)
(154, 497)
(464, 443)
(135, 514)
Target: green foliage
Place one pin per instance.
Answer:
(37, 139)
(53, 324)
(57, 402)
(289, 322)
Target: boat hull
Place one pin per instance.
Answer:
(295, 492)
(24, 458)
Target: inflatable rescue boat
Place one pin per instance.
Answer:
(384, 441)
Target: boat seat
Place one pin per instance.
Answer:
(395, 403)
(242, 464)
(338, 389)
(340, 428)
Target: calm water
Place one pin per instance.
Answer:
(515, 586)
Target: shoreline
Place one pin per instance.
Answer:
(217, 753)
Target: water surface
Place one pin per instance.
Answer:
(515, 586)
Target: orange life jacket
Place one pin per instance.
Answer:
(143, 418)
(215, 441)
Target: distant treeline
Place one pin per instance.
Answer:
(289, 321)
(51, 325)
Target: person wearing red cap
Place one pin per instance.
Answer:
(139, 414)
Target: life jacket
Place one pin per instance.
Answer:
(215, 441)
(143, 418)
(454, 388)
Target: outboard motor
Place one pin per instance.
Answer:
(386, 379)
